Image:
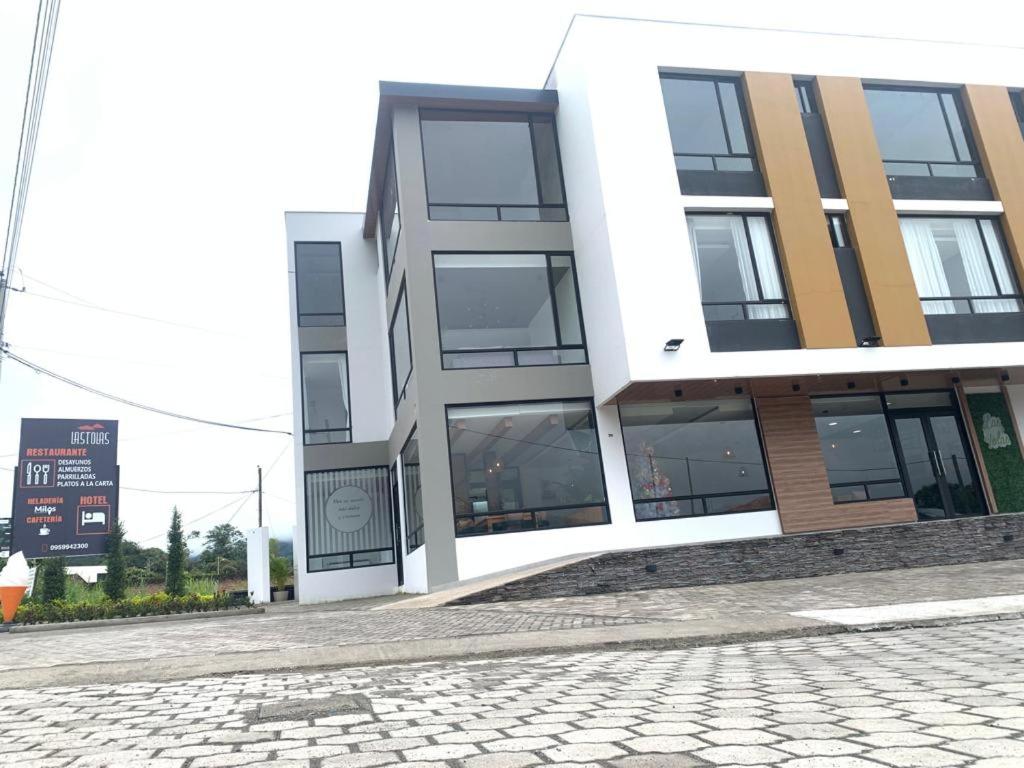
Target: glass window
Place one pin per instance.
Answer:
(505, 309)
(325, 404)
(805, 100)
(348, 519)
(837, 230)
(857, 447)
(921, 132)
(700, 457)
(525, 466)
(707, 123)
(401, 348)
(390, 221)
(960, 265)
(320, 298)
(492, 166)
(412, 492)
(736, 265)
(1017, 98)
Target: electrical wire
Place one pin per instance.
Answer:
(201, 517)
(153, 409)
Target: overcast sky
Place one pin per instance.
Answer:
(177, 132)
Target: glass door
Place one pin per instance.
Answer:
(940, 471)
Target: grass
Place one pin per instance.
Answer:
(77, 591)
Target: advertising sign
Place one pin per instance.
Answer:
(65, 493)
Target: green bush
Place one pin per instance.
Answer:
(114, 583)
(201, 585)
(77, 591)
(177, 557)
(280, 572)
(160, 604)
(54, 579)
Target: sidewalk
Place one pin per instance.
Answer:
(389, 630)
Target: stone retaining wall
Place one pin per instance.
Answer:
(943, 542)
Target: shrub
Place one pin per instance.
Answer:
(201, 585)
(150, 605)
(177, 555)
(54, 585)
(114, 583)
(280, 571)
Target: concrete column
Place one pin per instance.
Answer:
(257, 555)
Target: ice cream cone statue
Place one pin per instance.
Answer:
(13, 585)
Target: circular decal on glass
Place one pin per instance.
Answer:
(348, 509)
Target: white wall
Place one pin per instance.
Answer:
(637, 281)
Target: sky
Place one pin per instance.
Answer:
(175, 135)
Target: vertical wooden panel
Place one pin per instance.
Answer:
(800, 479)
(1001, 147)
(815, 288)
(873, 224)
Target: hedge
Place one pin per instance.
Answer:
(149, 605)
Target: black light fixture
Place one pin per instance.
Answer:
(955, 379)
(851, 385)
(678, 393)
(871, 341)
(738, 390)
(673, 345)
(796, 387)
(1004, 376)
(904, 382)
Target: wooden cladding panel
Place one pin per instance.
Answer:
(873, 225)
(800, 479)
(1001, 146)
(808, 261)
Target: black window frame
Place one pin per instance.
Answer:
(348, 391)
(516, 350)
(737, 81)
(460, 115)
(351, 554)
(1010, 266)
(838, 232)
(391, 240)
(400, 394)
(965, 126)
(1017, 100)
(299, 314)
(806, 101)
(893, 444)
(702, 497)
(532, 510)
(414, 537)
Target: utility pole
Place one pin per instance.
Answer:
(259, 494)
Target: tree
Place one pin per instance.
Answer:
(114, 583)
(177, 555)
(53, 579)
(224, 541)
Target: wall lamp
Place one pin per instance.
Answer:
(1004, 376)
(871, 341)
(673, 345)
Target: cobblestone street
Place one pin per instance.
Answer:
(949, 696)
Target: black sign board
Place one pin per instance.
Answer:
(65, 493)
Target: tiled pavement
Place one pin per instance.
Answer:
(950, 696)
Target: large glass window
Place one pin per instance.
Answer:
(960, 265)
(736, 265)
(492, 166)
(507, 309)
(390, 221)
(857, 447)
(401, 347)
(320, 297)
(921, 132)
(694, 458)
(1017, 97)
(348, 519)
(412, 492)
(525, 466)
(707, 123)
(325, 403)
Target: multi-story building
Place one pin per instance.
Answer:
(707, 283)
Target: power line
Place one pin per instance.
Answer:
(153, 409)
(201, 517)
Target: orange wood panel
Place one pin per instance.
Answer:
(1001, 146)
(809, 263)
(872, 218)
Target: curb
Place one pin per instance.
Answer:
(160, 619)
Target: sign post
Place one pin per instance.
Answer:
(66, 489)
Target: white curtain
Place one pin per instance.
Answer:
(926, 266)
(1006, 282)
(979, 275)
(767, 270)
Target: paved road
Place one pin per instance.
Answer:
(950, 696)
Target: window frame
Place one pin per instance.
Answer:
(348, 391)
(529, 120)
(1010, 266)
(417, 534)
(399, 396)
(299, 314)
(756, 418)
(806, 101)
(965, 126)
(893, 445)
(515, 350)
(606, 504)
(353, 553)
(389, 260)
(737, 81)
(744, 305)
(1017, 100)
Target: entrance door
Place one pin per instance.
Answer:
(936, 456)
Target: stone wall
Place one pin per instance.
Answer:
(944, 542)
